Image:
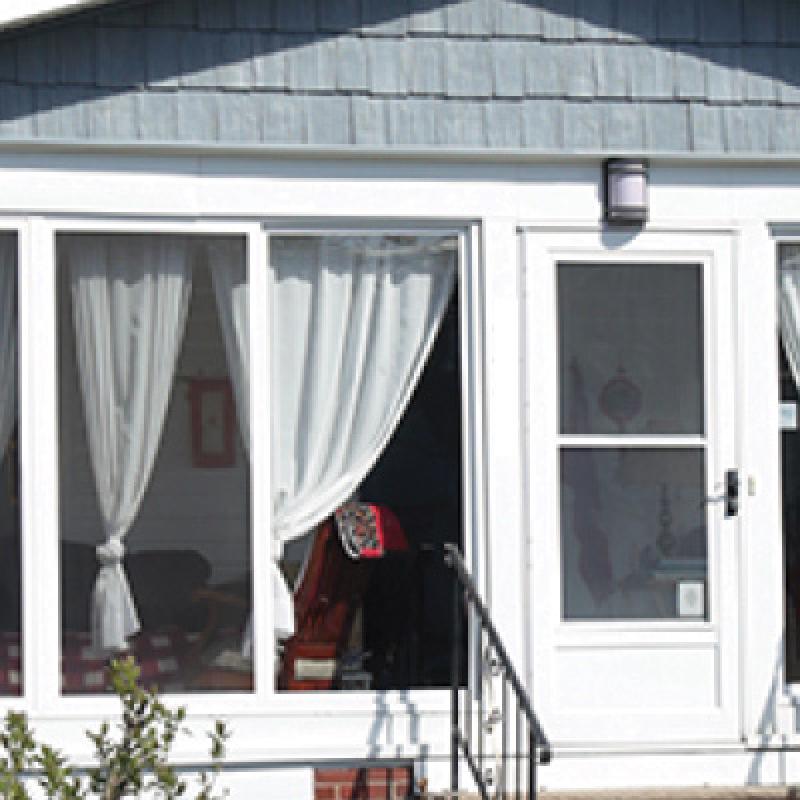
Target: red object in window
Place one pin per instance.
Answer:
(326, 601)
(211, 403)
(367, 530)
(390, 530)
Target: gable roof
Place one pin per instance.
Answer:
(14, 13)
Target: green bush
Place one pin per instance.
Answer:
(133, 761)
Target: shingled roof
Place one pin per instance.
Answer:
(692, 77)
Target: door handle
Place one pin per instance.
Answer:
(732, 491)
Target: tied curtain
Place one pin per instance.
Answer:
(353, 322)
(8, 338)
(130, 297)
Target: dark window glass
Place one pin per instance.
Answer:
(10, 564)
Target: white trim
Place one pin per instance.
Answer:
(633, 440)
(260, 463)
(16, 13)
(616, 237)
(41, 352)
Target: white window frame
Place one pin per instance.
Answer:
(39, 411)
(433, 699)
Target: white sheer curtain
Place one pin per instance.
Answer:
(130, 296)
(228, 266)
(8, 338)
(789, 307)
(353, 321)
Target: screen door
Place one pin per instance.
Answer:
(633, 486)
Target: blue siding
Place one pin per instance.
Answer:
(652, 76)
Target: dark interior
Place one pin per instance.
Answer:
(385, 622)
(790, 463)
(419, 478)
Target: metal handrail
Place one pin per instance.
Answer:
(538, 746)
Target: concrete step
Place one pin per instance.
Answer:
(684, 793)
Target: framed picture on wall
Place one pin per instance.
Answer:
(212, 416)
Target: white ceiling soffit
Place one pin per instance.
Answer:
(14, 13)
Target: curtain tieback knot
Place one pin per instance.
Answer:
(111, 553)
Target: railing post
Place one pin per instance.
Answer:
(464, 590)
(531, 765)
(502, 785)
(455, 666)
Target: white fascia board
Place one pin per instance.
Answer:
(14, 13)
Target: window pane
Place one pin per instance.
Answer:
(789, 264)
(10, 591)
(633, 533)
(367, 460)
(630, 348)
(790, 484)
(154, 428)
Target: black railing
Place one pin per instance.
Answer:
(502, 745)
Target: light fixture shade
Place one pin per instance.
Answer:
(625, 191)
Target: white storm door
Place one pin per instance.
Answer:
(633, 548)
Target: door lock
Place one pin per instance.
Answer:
(732, 491)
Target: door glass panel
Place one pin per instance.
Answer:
(633, 513)
(633, 532)
(630, 347)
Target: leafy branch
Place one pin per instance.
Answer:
(129, 763)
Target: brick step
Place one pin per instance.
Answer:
(364, 782)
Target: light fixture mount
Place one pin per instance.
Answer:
(625, 191)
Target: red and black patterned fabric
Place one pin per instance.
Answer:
(160, 657)
(368, 531)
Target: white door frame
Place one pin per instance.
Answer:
(712, 646)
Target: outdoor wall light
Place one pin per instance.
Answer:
(625, 191)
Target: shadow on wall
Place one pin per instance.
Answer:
(762, 764)
(282, 70)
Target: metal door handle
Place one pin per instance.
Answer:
(732, 490)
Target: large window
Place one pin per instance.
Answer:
(154, 464)
(10, 572)
(366, 455)
(350, 391)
